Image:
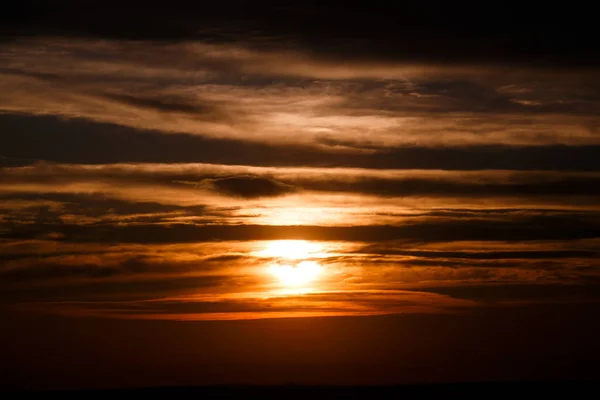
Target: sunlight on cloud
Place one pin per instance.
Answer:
(294, 266)
(176, 239)
(307, 101)
(291, 249)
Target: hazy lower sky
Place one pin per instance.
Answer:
(430, 174)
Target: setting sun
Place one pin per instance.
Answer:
(296, 275)
(291, 249)
(293, 265)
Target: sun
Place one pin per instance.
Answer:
(293, 265)
(290, 249)
(300, 274)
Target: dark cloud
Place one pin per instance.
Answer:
(174, 308)
(226, 258)
(51, 272)
(164, 103)
(486, 269)
(525, 228)
(98, 288)
(28, 138)
(242, 84)
(408, 32)
(523, 292)
(99, 204)
(524, 186)
(408, 269)
(447, 95)
(95, 209)
(47, 269)
(248, 186)
(323, 303)
(480, 255)
(536, 188)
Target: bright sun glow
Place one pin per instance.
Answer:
(293, 267)
(296, 275)
(291, 249)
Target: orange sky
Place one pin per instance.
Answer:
(242, 167)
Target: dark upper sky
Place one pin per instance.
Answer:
(250, 192)
(440, 32)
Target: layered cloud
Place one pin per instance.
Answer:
(145, 169)
(453, 34)
(203, 183)
(183, 241)
(232, 91)
(188, 281)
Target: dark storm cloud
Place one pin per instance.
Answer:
(28, 138)
(443, 33)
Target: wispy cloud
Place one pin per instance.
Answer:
(209, 183)
(140, 176)
(228, 91)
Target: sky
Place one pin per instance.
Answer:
(252, 192)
